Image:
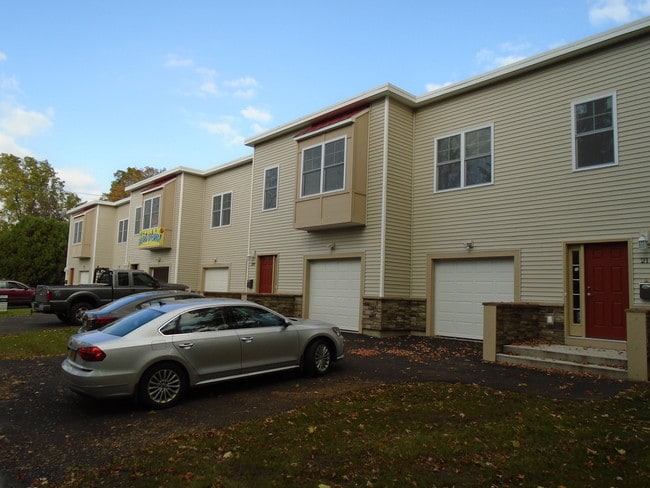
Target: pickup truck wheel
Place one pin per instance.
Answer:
(77, 312)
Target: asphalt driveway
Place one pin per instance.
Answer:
(46, 429)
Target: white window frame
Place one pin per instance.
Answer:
(151, 219)
(575, 135)
(463, 158)
(322, 168)
(220, 211)
(270, 189)
(138, 221)
(77, 235)
(122, 230)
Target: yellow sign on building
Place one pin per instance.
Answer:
(152, 238)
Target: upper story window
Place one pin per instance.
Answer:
(221, 209)
(123, 228)
(323, 168)
(78, 232)
(151, 214)
(594, 132)
(271, 188)
(464, 159)
(138, 221)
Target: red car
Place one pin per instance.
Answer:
(17, 293)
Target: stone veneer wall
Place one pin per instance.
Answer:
(393, 316)
(287, 305)
(527, 322)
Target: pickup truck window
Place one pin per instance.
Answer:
(142, 279)
(122, 279)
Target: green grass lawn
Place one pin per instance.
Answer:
(420, 435)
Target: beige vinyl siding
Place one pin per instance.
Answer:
(189, 222)
(399, 200)
(537, 202)
(119, 250)
(272, 232)
(227, 245)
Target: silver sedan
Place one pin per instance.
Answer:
(157, 353)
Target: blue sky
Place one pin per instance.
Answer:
(94, 87)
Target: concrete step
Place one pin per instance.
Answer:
(600, 362)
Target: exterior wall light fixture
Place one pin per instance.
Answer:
(643, 242)
(468, 245)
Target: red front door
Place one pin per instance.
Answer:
(606, 285)
(266, 268)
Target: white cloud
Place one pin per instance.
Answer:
(80, 181)
(177, 61)
(223, 129)
(245, 87)
(256, 114)
(9, 145)
(617, 11)
(506, 53)
(436, 86)
(17, 121)
(209, 87)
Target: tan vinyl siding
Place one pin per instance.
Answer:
(537, 201)
(119, 250)
(399, 200)
(188, 219)
(272, 231)
(227, 245)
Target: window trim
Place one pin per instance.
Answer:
(322, 144)
(574, 135)
(77, 233)
(212, 213)
(463, 159)
(122, 231)
(149, 216)
(138, 221)
(266, 188)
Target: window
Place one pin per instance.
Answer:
(138, 221)
(78, 232)
(122, 230)
(151, 213)
(464, 160)
(270, 188)
(594, 133)
(323, 168)
(245, 317)
(221, 207)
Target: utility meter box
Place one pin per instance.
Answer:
(644, 291)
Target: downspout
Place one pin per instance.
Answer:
(384, 192)
(250, 226)
(178, 231)
(93, 261)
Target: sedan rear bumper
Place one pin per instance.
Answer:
(88, 382)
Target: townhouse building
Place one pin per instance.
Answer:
(513, 199)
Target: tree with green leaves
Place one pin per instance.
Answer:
(29, 187)
(126, 178)
(34, 250)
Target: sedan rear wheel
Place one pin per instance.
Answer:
(162, 386)
(318, 358)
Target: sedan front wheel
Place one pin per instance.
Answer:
(318, 358)
(162, 386)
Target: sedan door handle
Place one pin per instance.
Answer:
(186, 345)
(247, 339)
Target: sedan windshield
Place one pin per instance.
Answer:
(131, 322)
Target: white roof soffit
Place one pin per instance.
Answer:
(598, 41)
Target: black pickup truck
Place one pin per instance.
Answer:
(69, 302)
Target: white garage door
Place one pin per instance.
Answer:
(216, 279)
(335, 292)
(461, 287)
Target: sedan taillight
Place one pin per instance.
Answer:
(92, 353)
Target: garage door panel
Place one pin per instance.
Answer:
(216, 279)
(460, 289)
(335, 291)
